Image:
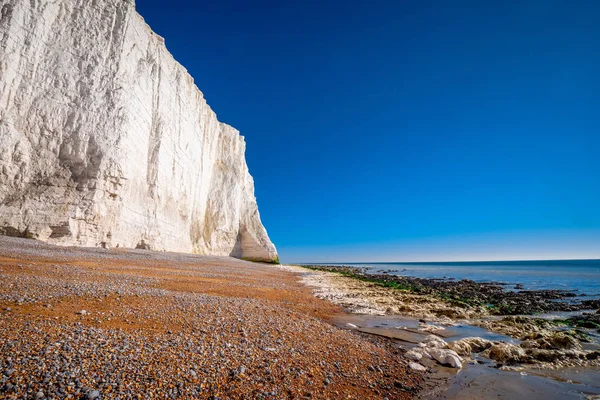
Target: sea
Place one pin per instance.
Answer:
(579, 276)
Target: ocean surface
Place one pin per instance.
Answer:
(580, 276)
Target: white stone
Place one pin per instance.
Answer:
(468, 345)
(433, 341)
(414, 354)
(106, 140)
(430, 328)
(447, 357)
(417, 366)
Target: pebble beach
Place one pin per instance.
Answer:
(79, 323)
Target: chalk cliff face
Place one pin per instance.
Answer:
(106, 141)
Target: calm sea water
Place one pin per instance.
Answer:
(582, 276)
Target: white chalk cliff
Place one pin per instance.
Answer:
(106, 141)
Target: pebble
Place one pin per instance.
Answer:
(276, 347)
(417, 366)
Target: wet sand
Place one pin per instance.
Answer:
(481, 380)
(95, 323)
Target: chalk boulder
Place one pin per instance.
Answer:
(469, 345)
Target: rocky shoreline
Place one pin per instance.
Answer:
(540, 342)
(497, 297)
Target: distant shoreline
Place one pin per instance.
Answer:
(478, 262)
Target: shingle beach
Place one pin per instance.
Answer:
(131, 324)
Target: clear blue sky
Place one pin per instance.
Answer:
(407, 130)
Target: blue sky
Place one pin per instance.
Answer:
(407, 130)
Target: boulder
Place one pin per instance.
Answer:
(433, 341)
(469, 345)
(417, 367)
(560, 340)
(548, 355)
(505, 353)
(414, 354)
(553, 341)
(530, 344)
(447, 357)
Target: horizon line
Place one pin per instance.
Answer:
(448, 261)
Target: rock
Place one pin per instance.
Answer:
(92, 395)
(505, 353)
(433, 341)
(39, 395)
(598, 312)
(431, 328)
(401, 385)
(530, 344)
(447, 357)
(548, 355)
(469, 345)
(544, 355)
(560, 340)
(511, 368)
(417, 366)
(352, 326)
(593, 355)
(111, 143)
(433, 347)
(551, 340)
(413, 354)
(82, 312)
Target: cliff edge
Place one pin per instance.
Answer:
(106, 140)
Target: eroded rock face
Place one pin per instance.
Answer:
(106, 141)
